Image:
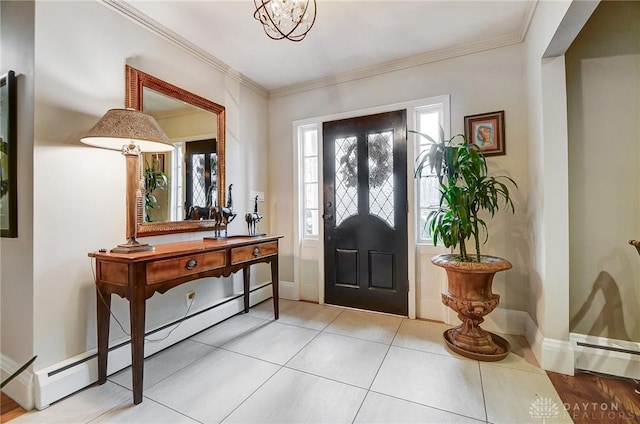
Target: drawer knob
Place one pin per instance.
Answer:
(256, 251)
(192, 263)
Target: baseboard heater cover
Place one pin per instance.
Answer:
(607, 356)
(67, 377)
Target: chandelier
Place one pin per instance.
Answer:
(290, 19)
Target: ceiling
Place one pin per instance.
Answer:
(350, 39)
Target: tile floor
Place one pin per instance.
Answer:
(319, 364)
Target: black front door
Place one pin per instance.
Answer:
(365, 212)
(201, 174)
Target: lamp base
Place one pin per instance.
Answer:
(133, 246)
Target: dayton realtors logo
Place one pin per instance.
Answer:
(544, 409)
(599, 412)
(547, 410)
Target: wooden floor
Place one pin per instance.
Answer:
(9, 409)
(590, 399)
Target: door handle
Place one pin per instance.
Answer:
(329, 216)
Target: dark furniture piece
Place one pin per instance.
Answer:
(137, 276)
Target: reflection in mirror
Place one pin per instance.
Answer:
(181, 186)
(185, 180)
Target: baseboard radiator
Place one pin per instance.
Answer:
(606, 356)
(67, 377)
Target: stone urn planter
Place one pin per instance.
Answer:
(469, 293)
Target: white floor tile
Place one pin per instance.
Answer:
(366, 325)
(295, 397)
(147, 412)
(345, 359)
(234, 372)
(309, 315)
(514, 396)
(228, 330)
(382, 409)
(164, 363)
(81, 407)
(210, 389)
(273, 342)
(439, 381)
(521, 356)
(264, 310)
(422, 335)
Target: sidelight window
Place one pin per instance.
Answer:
(308, 137)
(428, 120)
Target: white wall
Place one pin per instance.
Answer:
(603, 85)
(478, 83)
(16, 258)
(81, 49)
(552, 30)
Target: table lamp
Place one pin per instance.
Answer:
(132, 132)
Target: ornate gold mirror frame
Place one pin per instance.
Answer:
(135, 82)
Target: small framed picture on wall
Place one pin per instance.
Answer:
(486, 131)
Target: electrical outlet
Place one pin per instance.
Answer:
(260, 195)
(190, 297)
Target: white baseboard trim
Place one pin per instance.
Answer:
(552, 354)
(534, 337)
(433, 309)
(557, 356)
(20, 389)
(288, 290)
(606, 356)
(64, 378)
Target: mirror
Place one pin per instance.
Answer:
(192, 177)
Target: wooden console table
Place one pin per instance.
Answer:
(137, 276)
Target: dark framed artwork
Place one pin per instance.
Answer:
(486, 131)
(8, 156)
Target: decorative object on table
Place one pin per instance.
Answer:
(253, 218)
(132, 132)
(197, 213)
(466, 191)
(224, 215)
(8, 156)
(154, 179)
(487, 132)
(290, 19)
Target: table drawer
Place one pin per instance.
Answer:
(114, 273)
(189, 265)
(249, 253)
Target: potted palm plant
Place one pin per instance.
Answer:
(467, 194)
(154, 179)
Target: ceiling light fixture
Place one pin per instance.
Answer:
(290, 19)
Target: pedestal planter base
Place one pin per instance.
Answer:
(469, 294)
(502, 348)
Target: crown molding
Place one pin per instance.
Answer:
(396, 65)
(528, 17)
(409, 62)
(370, 71)
(143, 20)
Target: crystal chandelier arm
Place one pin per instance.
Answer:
(277, 15)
